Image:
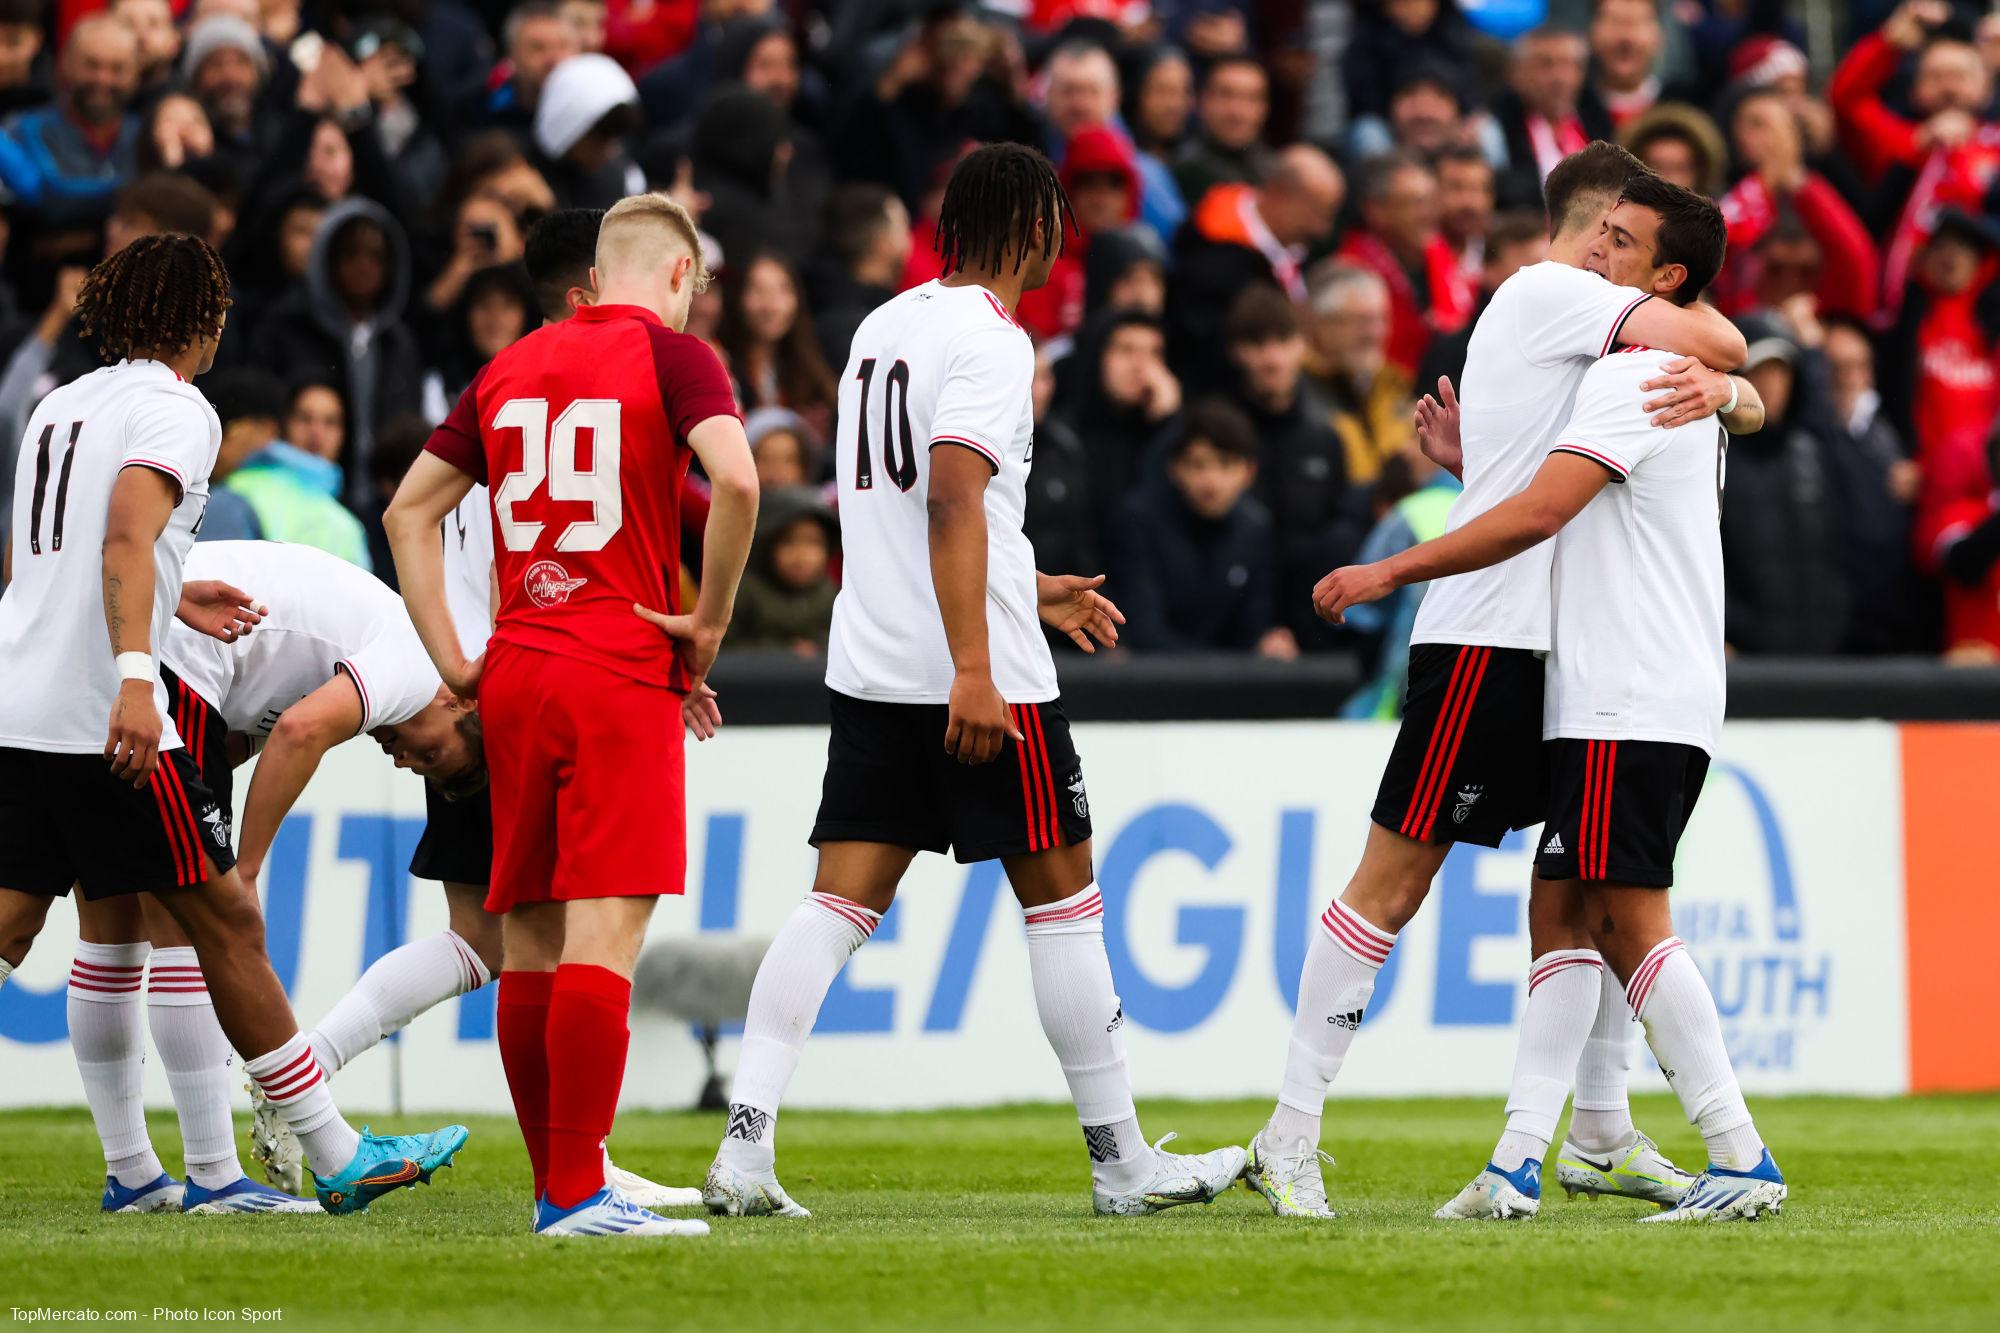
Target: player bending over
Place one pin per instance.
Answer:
(112, 483)
(947, 731)
(1635, 689)
(1467, 764)
(584, 431)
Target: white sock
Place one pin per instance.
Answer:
(1346, 953)
(1600, 1118)
(1085, 1026)
(106, 983)
(1562, 1003)
(290, 1077)
(399, 985)
(815, 942)
(196, 1057)
(1668, 993)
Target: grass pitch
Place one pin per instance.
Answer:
(942, 1220)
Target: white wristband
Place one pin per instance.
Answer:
(136, 666)
(1735, 392)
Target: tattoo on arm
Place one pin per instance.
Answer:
(112, 613)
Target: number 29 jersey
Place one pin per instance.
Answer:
(579, 432)
(936, 367)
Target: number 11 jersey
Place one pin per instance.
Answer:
(936, 367)
(579, 431)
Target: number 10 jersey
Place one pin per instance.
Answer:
(936, 367)
(579, 431)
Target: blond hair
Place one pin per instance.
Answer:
(643, 230)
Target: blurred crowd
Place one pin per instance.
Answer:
(1289, 214)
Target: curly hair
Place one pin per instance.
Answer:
(160, 294)
(992, 203)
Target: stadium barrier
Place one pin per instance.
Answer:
(1836, 886)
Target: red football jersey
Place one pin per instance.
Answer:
(579, 431)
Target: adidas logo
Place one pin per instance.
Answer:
(1350, 1021)
(1554, 846)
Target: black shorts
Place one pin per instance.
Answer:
(889, 780)
(66, 819)
(206, 737)
(457, 846)
(1617, 810)
(1468, 763)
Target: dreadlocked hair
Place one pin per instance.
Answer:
(995, 197)
(162, 294)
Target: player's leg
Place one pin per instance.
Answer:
(107, 990)
(532, 945)
(411, 979)
(852, 889)
(21, 919)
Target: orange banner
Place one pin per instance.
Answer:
(1951, 842)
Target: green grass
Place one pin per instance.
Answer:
(970, 1218)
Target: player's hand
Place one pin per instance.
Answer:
(1348, 585)
(464, 682)
(1437, 428)
(1689, 391)
(695, 645)
(699, 712)
(133, 745)
(978, 721)
(1071, 604)
(1912, 21)
(219, 610)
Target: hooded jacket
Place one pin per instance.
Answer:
(1057, 307)
(769, 614)
(580, 92)
(752, 204)
(376, 361)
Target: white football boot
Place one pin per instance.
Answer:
(273, 1146)
(1177, 1178)
(1288, 1175)
(1637, 1171)
(647, 1193)
(1722, 1195)
(609, 1213)
(1497, 1196)
(733, 1192)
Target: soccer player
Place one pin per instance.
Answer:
(947, 729)
(111, 485)
(1635, 693)
(584, 431)
(1467, 763)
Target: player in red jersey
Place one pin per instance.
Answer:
(583, 432)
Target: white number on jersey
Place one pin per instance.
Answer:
(549, 454)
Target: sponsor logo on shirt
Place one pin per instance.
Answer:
(549, 584)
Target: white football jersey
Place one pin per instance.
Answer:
(1638, 574)
(1536, 337)
(59, 671)
(468, 570)
(326, 617)
(935, 368)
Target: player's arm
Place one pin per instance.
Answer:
(1565, 483)
(978, 720)
(304, 733)
(724, 451)
(142, 501)
(1686, 390)
(1070, 604)
(1698, 330)
(430, 491)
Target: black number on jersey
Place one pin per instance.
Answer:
(899, 446)
(42, 488)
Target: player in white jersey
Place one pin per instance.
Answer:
(112, 484)
(1636, 685)
(1466, 766)
(947, 729)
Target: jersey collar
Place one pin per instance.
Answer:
(590, 314)
(146, 362)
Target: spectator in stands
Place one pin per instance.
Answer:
(496, 308)
(1961, 540)
(1192, 561)
(1393, 35)
(1780, 526)
(1875, 483)
(1158, 107)
(1351, 315)
(69, 159)
(24, 78)
(1060, 524)
(587, 110)
(1244, 234)
(293, 493)
(225, 68)
(1082, 98)
(1427, 115)
(346, 324)
(786, 599)
(1625, 45)
(1682, 144)
(1400, 241)
(1939, 379)
(1515, 240)
(1102, 182)
(248, 404)
(784, 448)
(741, 150)
(867, 246)
(1544, 113)
(1302, 464)
(152, 25)
(1466, 198)
(1127, 399)
(316, 419)
(1125, 269)
(1778, 185)
(1228, 146)
(768, 335)
(536, 39)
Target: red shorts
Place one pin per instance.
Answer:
(589, 792)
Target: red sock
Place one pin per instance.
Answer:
(587, 1040)
(522, 1023)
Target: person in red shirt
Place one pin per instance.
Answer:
(584, 431)
(1959, 539)
(1400, 240)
